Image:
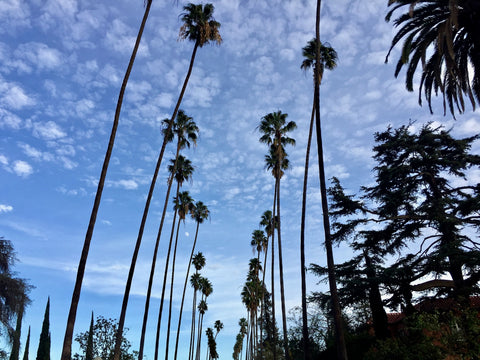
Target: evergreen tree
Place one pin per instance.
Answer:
(27, 346)
(43, 352)
(89, 350)
(15, 353)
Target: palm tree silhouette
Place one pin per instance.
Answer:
(275, 128)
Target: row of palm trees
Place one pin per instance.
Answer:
(201, 28)
(451, 27)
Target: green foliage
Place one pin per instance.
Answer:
(437, 336)
(104, 331)
(43, 352)
(446, 31)
(13, 291)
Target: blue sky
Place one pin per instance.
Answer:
(61, 66)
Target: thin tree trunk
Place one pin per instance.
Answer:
(337, 314)
(306, 339)
(282, 289)
(184, 291)
(121, 320)
(159, 321)
(192, 331)
(67, 341)
(171, 291)
(154, 260)
(273, 276)
(262, 308)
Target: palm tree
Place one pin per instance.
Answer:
(183, 172)
(199, 214)
(206, 289)
(218, 326)
(198, 262)
(337, 314)
(184, 206)
(267, 223)
(195, 283)
(201, 28)
(72, 314)
(328, 60)
(186, 131)
(275, 128)
(448, 32)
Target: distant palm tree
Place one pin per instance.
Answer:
(269, 225)
(184, 206)
(337, 314)
(198, 262)
(72, 314)
(206, 289)
(186, 132)
(448, 32)
(275, 128)
(182, 171)
(199, 214)
(328, 60)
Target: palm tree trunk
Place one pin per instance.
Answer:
(154, 260)
(159, 321)
(184, 291)
(121, 320)
(262, 308)
(282, 289)
(273, 276)
(337, 314)
(171, 292)
(199, 338)
(67, 341)
(192, 332)
(306, 339)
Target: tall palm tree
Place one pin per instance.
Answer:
(332, 282)
(184, 206)
(72, 314)
(206, 289)
(275, 128)
(328, 60)
(201, 28)
(186, 132)
(448, 32)
(183, 172)
(268, 224)
(200, 213)
(198, 262)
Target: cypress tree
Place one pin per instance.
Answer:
(89, 350)
(14, 355)
(43, 352)
(27, 345)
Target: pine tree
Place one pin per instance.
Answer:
(43, 352)
(27, 346)
(89, 350)
(15, 353)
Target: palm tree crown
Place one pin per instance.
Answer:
(199, 25)
(448, 32)
(183, 169)
(328, 57)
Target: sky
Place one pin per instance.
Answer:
(61, 67)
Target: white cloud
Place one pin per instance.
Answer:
(5, 208)
(125, 184)
(13, 96)
(22, 168)
(48, 130)
(3, 160)
(40, 55)
(9, 120)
